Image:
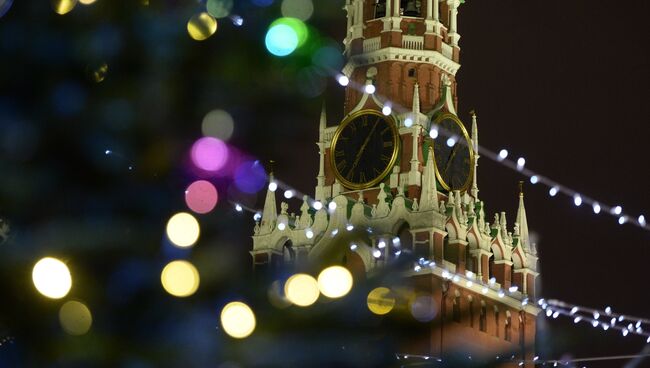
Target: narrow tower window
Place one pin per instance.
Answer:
(412, 72)
(496, 320)
(380, 8)
(483, 318)
(456, 308)
(508, 328)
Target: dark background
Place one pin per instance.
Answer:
(562, 83)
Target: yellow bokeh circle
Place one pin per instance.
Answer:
(380, 302)
(301, 289)
(183, 230)
(75, 318)
(63, 6)
(52, 278)
(238, 320)
(201, 26)
(335, 282)
(180, 278)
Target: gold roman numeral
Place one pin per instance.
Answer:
(341, 165)
(385, 158)
(338, 153)
(362, 177)
(388, 144)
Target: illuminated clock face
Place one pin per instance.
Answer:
(364, 149)
(453, 153)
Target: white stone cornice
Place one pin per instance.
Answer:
(395, 53)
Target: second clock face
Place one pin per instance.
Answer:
(364, 149)
(454, 159)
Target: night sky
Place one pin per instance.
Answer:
(562, 83)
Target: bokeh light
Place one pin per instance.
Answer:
(97, 72)
(201, 26)
(87, 2)
(250, 177)
(180, 278)
(335, 282)
(298, 26)
(281, 40)
(218, 124)
(379, 301)
(219, 8)
(63, 6)
(302, 290)
(238, 320)
(300, 9)
(75, 318)
(423, 308)
(5, 5)
(201, 196)
(52, 278)
(183, 230)
(209, 154)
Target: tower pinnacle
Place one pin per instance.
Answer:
(522, 221)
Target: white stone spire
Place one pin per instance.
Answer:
(320, 184)
(429, 195)
(474, 190)
(323, 121)
(270, 213)
(522, 221)
(416, 101)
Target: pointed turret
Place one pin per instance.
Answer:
(416, 100)
(474, 190)
(429, 196)
(270, 213)
(323, 121)
(320, 184)
(522, 221)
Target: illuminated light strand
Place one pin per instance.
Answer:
(625, 324)
(536, 360)
(519, 166)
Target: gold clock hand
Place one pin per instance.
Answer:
(363, 147)
(451, 157)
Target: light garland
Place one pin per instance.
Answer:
(536, 360)
(518, 165)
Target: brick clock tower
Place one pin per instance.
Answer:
(402, 166)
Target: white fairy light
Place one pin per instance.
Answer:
(501, 294)
(503, 154)
(349, 227)
(484, 290)
(332, 206)
(513, 289)
(238, 208)
(451, 141)
(433, 133)
(288, 194)
(396, 241)
(309, 233)
(574, 310)
(541, 301)
(594, 323)
(577, 200)
(282, 226)
(343, 80)
(630, 327)
(398, 253)
(521, 162)
(334, 232)
(534, 179)
(617, 210)
(408, 122)
(456, 278)
(648, 340)
(445, 274)
(625, 332)
(317, 205)
(386, 110)
(370, 89)
(273, 186)
(417, 268)
(353, 246)
(621, 318)
(596, 207)
(376, 253)
(257, 216)
(549, 312)
(622, 220)
(613, 321)
(556, 314)
(608, 310)
(492, 281)
(596, 315)
(638, 324)
(553, 191)
(641, 220)
(381, 244)
(577, 319)
(605, 326)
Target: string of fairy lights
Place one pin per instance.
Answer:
(501, 158)
(423, 360)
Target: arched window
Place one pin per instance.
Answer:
(288, 253)
(380, 8)
(483, 317)
(508, 328)
(411, 8)
(456, 307)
